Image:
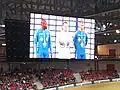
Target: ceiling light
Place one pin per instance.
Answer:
(3, 44)
(117, 31)
(115, 40)
(104, 33)
(2, 25)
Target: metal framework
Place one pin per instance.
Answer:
(20, 9)
(105, 11)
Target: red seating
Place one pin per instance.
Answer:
(97, 75)
(14, 81)
(51, 78)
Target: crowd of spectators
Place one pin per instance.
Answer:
(55, 77)
(16, 81)
(93, 75)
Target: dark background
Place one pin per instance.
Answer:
(17, 39)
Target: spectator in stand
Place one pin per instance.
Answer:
(16, 81)
(97, 75)
(55, 77)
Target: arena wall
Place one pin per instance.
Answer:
(81, 66)
(104, 49)
(57, 65)
(102, 64)
(76, 66)
(5, 67)
(2, 51)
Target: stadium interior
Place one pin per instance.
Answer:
(19, 72)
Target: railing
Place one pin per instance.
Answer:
(108, 57)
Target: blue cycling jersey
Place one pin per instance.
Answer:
(80, 41)
(42, 41)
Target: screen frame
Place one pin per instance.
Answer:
(57, 59)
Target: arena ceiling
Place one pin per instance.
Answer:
(105, 11)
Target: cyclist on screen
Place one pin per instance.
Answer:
(80, 41)
(63, 40)
(42, 41)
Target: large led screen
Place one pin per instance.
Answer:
(61, 37)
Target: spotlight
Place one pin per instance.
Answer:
(117, 31)
(3, 44)
(115, 40)
(104, 26)
(107, 23)
(96, 57)
(110, 24)
(104, 33)
(2, 25)
(115, 25)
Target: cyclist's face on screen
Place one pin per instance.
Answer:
(44, 24)
(65, 27)
(81, 25)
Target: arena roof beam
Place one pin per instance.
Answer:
(2, 38)
(2, 34)
(106, 12)
(106, 5)
(20, 9)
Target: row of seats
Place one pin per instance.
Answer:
(98, 75)
(49, 78)
(56, 77)
(16, 81)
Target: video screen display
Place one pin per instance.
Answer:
(61, 37)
